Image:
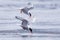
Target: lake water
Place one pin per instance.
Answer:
(46, 26)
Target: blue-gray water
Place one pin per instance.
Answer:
(46, 26)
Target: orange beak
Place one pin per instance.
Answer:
(30, 16)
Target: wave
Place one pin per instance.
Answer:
(36, 5)
(35, 23)
(47, 23)
(39, 31)
(35, 33)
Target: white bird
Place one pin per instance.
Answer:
(25, 10)
(24, 24)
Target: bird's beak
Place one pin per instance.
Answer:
(30, 16)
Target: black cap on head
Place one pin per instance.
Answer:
(30, 29)
(30, 14)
